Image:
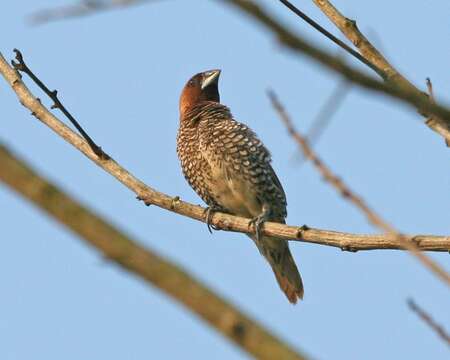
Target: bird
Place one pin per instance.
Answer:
(227, 165)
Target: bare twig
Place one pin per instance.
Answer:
(22, 66)
(149, 266)
(330, 36)
(431, 121)
(355, 199)
(427, 319)
(82, 8)
(344, 241)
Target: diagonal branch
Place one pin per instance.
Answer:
(327, 110)
(82, 8)
(330, 36)
(20, 65)
(355, 199)
(149, 266)
(344, 241)
(349, 28)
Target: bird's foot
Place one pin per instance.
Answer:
(209, 212)
(258, 222)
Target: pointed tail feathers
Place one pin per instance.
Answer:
(278, 255)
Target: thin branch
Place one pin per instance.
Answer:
(149, 266)
(431, 121)
(398, 90)
(83, 8)
(352, 197)
(344, 241)
(330, 36)
(427, 319)
(349, 28)
(23, 67)
(326, 112)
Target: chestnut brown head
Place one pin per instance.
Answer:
(203, 86)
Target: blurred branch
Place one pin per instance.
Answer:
(351, 196)
(396, 87)
(149, 266)
(344, 241)
(82, 8)
(326, 112)
(427, 319)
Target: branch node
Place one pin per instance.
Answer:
(146, 199)
(348, 248)
(174, 202)
(238, 330)
(301, 230)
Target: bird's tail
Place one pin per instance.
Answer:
(278, 255)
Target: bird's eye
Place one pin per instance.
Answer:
(191, 82)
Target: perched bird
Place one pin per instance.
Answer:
(229, 168)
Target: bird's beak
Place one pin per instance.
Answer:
(210, 77)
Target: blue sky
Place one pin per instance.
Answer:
(121, 73)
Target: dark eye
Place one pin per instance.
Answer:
(191, 82)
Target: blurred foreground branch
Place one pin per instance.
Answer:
(352, 197)
(120, 248)
(344, 241)
(82, 8)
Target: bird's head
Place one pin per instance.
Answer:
(203, 86)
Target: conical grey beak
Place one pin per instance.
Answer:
(210, 77)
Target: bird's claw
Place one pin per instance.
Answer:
(208, 217)
(258, 222)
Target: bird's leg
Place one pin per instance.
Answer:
(209, 211)
(259, 221)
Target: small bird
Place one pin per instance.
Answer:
(229, 168)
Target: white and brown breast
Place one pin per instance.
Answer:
(226, 164)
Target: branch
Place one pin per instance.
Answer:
(83, 8)
(344, 241)
(20, 65)
(326, 112)
(427, 319)
(330, 36)
(349, 28)
(355, 199)
(149, 266)
(395, 89)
